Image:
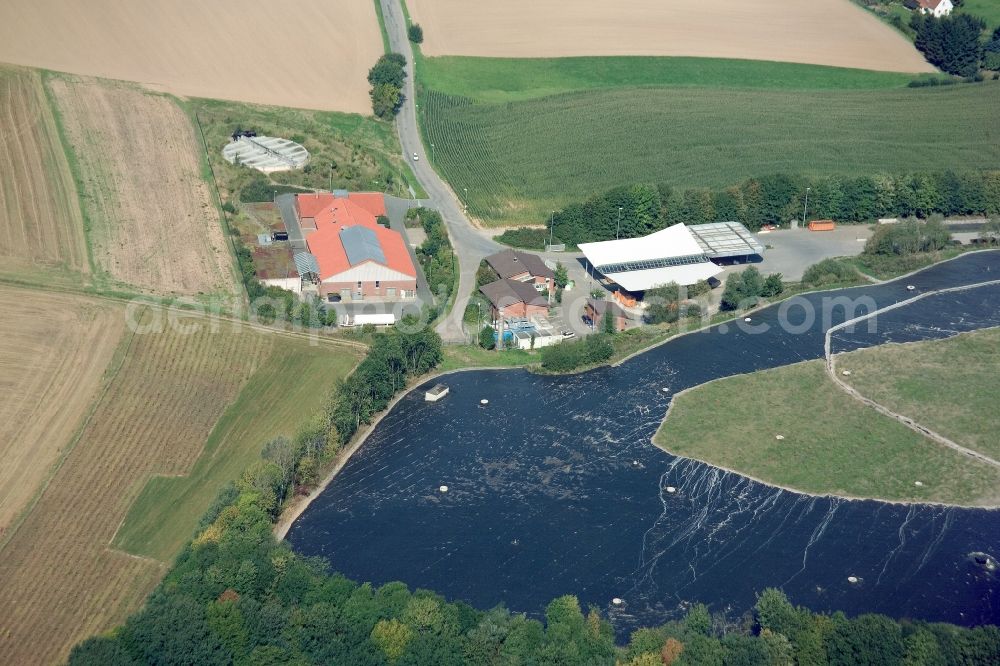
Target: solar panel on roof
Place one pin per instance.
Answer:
(361, 244)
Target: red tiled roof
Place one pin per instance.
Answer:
(373, 202)
(334, 214)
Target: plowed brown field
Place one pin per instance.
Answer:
(311, 54)
(820, 32)
(154, 225)
(41, 229)
(59, 579)
(53, 353)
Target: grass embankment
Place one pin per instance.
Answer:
(949, 385)
(885, 267)
(288, 388)
(832, 443)
(527, 137)
(365, 152)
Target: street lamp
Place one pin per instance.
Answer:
(619, 230)
(805, 205)
(332, 167)
(551, 228)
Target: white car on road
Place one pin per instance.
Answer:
(415, 158)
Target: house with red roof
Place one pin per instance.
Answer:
(936, 8)
(356, 257)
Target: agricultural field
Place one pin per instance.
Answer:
(365, 153)
(54, 350)
(59, 580)
(291, 384)
(41, 228)
(822, 32)
(153, 224)
(168, 392)
(844, 448)
(521, 160)
(949, 385)
(315, 54)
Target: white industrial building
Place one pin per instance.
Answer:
(678, 254)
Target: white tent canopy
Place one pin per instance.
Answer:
(637, 264)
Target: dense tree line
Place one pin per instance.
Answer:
(951, 43)
(435, 254)
(386, 77)
(668, 303)
(773, 199)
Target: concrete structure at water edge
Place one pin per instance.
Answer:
(351, 256)
(681, 254)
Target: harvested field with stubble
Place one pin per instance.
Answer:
(820, 32)
(311, 53)
(154, 225)
(41, 228)
(59, 579)
(53, 353)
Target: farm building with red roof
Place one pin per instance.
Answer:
(357, 258)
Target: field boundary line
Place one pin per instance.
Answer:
(910, 423)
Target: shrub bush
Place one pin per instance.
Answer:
(525, 237)
(830, 271)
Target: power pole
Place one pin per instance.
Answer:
(618, 232)
(805, 207)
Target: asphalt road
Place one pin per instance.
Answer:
(470, 244)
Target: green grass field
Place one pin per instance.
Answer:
(282, 394)
(832, 443)
(514, 162)
(518, 79)
(988, 10)
(950, 385)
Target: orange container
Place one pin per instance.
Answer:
(822, 225)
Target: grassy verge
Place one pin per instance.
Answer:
(519, 160)
(457, 357)
(947, 385)
(381, 26)
(518, 79)
(884, 267)
(285, 391)
(832, 443)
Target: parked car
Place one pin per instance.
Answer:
(568, 334)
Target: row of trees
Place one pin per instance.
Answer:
(386, 77)
(640, 209)
(435, 254)
(951, 43)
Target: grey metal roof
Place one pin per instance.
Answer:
(509, 263)
(508, 292)
(361, 244)
(306, 263)
(725, 239)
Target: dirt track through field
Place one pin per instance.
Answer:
(59, 579)
(53, 352)
(307, 53)
(41, 228)
(155, 225)
(821, 32)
